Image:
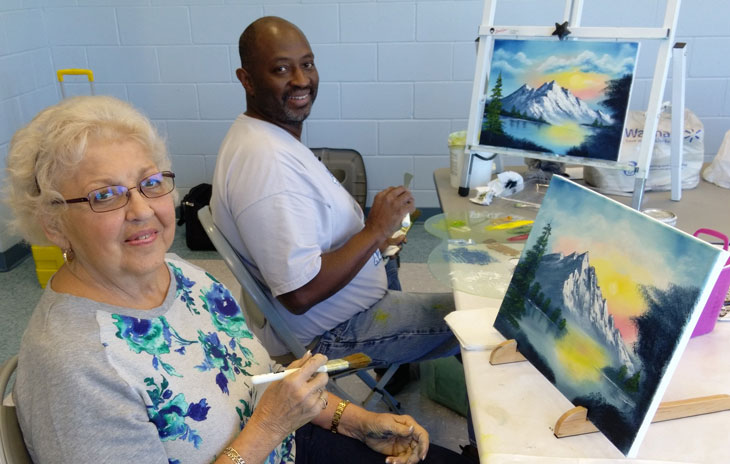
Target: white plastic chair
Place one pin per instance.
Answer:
(12, 446)
(260, 310)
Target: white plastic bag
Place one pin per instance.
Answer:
(619, 182)
(718, 172)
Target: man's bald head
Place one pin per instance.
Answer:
(265, 26)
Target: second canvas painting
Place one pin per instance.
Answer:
(559, 97)
(603, 301)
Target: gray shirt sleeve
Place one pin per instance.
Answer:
(79, 403)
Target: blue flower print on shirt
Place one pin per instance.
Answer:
(225, 313)
(153, 336)
(169, 415)
(183, 288)
(283, 453)
(218, 356)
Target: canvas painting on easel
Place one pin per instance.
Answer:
(603, 301)
(558, 97)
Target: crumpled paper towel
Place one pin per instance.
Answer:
(507, 183)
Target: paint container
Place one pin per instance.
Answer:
(715, 302)
(457, 144)
(667, 217)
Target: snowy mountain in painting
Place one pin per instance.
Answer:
(571, 284)
(554, 104)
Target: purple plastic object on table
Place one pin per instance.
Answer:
(709, 315)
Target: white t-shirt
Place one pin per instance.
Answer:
(280, 208)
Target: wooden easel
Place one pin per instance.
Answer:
(573, 11)
(575, 420)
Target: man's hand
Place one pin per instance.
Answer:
(388, 210)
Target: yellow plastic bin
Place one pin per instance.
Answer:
(47, 261)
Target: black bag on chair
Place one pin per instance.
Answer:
(195, 236)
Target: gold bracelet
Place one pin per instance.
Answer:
(338, 415)
(233, 455)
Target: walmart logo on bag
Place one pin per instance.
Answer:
(691, 135)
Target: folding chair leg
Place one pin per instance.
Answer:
(378, 391)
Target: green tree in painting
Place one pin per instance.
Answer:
(494, 108)
(617, 96)
(522, 286)
(632, 384)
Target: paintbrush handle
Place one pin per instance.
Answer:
(331, 366)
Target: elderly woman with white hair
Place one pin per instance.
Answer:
(135, 355)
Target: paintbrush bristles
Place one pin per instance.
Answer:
(358, 360)
(353, 361)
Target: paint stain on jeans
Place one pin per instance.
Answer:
(380, 316)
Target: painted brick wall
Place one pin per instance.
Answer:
(395, 75)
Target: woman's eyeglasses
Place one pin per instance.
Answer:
(114, 197)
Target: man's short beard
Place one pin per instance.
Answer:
(297, 116)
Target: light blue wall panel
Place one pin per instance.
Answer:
(378, 22)
(395, 74)
(124, 64)
(165, 101)
(16, 75)
(528, 12)
(708, 57)
(377, 101)
(318, 21)
(346, 62)
(358, 135)
(189, 170)
(82, 25)
(438, 100)
(465, 56)
(221, 101)
(414, 61)
(390, 169)
(448, 21)
(154, 26)
(221, 24)
(10, 119)
(327, 104)
(69, 57)
(23, 30)
(195, 137)
(202, 63)
(32, 102)
(413, 137)
(423, 171)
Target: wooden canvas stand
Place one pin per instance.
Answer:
(488, 31)
(575, 420)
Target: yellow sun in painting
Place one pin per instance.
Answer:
(581, 357)
(584, 85)
(619, 279)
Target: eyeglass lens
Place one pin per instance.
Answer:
(117, 196)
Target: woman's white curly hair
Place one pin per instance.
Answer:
(50, 147)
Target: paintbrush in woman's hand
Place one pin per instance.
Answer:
(353, 361)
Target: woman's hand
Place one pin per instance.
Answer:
(295, 400)
(400, 438)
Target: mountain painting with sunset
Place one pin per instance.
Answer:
(602, 302)
(562, 97)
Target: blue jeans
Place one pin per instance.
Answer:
(391, 271)
(400, 328)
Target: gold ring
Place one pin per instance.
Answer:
(324, 402)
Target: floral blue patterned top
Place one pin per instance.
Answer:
(169, 384)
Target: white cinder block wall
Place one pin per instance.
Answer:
(396, 76)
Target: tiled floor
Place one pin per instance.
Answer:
(20, 291)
